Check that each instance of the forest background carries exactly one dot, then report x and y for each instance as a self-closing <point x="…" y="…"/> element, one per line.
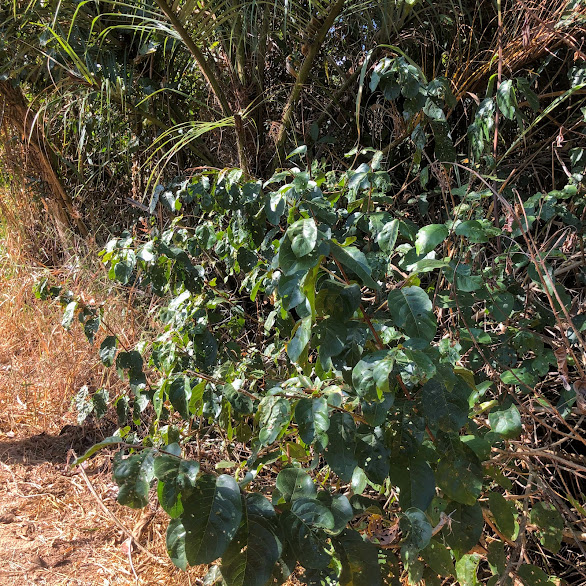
<point x="329" y="261"/>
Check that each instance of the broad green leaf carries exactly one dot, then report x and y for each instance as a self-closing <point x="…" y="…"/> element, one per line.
<point x="300" y="339"/>
<point x="176" y="480"/>
<point x="430" y="578"/>
<point x="505" y="515"/>
<point x="303" y="236"/>
<point x="275" y="206"/>
<point x="290" y="263"/>
<point x="303" y="525"/>
<point x="534" y="576"/>
<point x="358" y="482"/>
<point x="359" y="560"/>
<point x="100" y="401"/>
<point x="210" y="519"/>
<point x="523" y="377"/>
<point x="438" y="556"/>
<point x="497" y="558"/>
<point x="473" y="230"/>
<point x="294" y="483"/>
<point x="179" y="391"/>
<point x="375" y="413"/>
<point x="370" y="377"/>
<point x="469" y="523"/>
<point x="506" y="99"/>
<point x="459" y="475"/>
<point x="108" y="350"/>
<point x="429" y="237"/>
<point x="241" y="403"/>
<point x="415" y="480"/>
<point x="506" y="422"/>
<point x="445" y="409"/>
<point x="342" y="511"/>
<point x="416" y="528"/>
<point x="312" y="418"/>
<point x="330" y="336"/>
<point x="355" y="260"/>
<point x="131" y="361"/>
<point x="340" y="452"/>
<point x="133" y="475"/>
<point x="337" y="300"/>
<point x="290" y="290"/>
<point x="387" y="237"/>
<point x="275" y="413"/>
<point x="502" y="306"/>
<point x="251" y="556"/>
<point x="373" y="455"/>
<point x="466" y="569"/>
<point x="550" y="525"/>
<point x="411" y="311"/>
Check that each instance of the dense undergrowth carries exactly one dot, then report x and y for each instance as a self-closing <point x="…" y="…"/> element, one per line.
<point x="369" y="364"/>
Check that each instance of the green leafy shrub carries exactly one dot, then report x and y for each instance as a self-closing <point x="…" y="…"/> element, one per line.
<point x="301" y="331"/>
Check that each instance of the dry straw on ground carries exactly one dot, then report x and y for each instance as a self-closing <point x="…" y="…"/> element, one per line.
<point x="53" y="529"/>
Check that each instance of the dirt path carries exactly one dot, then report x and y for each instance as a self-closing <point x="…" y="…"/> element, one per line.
<point x="53" y="531"/>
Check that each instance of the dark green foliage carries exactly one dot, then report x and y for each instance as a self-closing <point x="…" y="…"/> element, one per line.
<point x="359" y="342"/>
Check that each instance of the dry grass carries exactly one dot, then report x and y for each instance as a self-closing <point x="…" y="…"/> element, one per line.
<point x="53" y="530"/>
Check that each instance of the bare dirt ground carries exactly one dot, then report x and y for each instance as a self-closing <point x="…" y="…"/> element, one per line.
<point x="55" y="530"/>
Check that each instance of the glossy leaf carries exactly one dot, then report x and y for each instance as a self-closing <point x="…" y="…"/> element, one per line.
<point x="179" y="391"/>
<point x="370" y="377"/>
<point x="275" y="413"/>
<point x="506" y="421"/>
<point x="303" y="525"/>
<point x="354" y="259"/>
<point x="177" y="479"/>
<point x="108" y="350"/>
<point x="133" y="475"/>
<point x="303" y="236"/>
<point x="210" y="519"/>
<point x="411" y="310"/>
<point x="416" y="528"/>
<point x="294" y="483"/>
<point x="311" y="415"/>
<point x="340" y="452"/>
<point x="429" y="237"/>
<point x="251" y="556"/>
<point x="467" y="568"/>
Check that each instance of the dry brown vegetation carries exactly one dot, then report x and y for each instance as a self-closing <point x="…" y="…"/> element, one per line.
<point x="54" y="529"/>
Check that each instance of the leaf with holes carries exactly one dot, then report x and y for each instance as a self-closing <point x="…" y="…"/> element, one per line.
<point x="133" y="475"/>
<point x="177" y="479"/>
